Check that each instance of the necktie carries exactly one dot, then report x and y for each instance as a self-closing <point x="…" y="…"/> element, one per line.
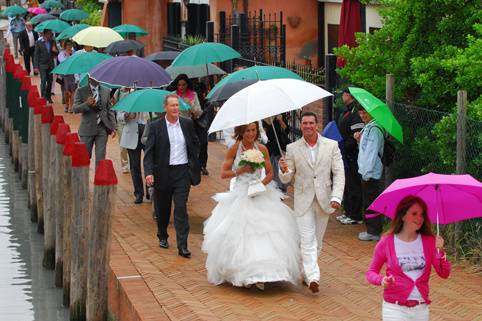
<point x="95" y="93"/>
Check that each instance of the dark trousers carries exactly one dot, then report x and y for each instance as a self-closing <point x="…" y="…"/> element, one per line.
<point x="28" y="58"/>
<point x="370" y="191"/>
<point x="46" y="79"/>
<point x="202" y="134"/>
<point x="177" y="191"/>
<point x="135" y="165"/>
<point x="352" y="198"/>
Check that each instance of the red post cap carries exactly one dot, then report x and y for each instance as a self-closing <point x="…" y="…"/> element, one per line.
<point x="80" y="155"/>
<point x="32" y="98"/>
<point x="47" y="114"/>
<point x="9" y="64"/>
<point x="26" y="83"/>
<point x="61" y="133"/>
<point x="55" y="124"/>
<point x="6" y="51"/>
<point x="70" y="140"/>
<point x="105" y="173"/>
<point x="19" y="73"/>
<point x="38" y="108"/>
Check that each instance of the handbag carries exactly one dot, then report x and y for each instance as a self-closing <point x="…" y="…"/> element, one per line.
<point x="255" y="188"/>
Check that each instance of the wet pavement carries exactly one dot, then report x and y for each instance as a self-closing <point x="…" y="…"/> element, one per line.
<point x="27" y="290"/>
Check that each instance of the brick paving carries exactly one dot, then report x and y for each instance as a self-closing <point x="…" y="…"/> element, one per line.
<point x="149" y="283"/>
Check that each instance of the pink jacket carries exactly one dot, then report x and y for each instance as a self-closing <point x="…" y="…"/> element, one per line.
<point x="402" y="287"/>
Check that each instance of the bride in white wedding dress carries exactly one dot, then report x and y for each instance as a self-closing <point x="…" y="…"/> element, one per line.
<point x="250" y="240"/>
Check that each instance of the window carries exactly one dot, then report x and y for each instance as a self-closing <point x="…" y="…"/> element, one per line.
<point x="332" y="37"/>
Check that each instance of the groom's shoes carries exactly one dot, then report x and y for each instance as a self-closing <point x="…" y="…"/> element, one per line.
<point x="314" y="287"/>
<point x="184" y="252"/>
<point x="164" y="244"/>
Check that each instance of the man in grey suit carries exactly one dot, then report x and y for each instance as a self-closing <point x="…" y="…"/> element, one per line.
<point x="98" y="120"/>
<point x="43" y="62"/>
<point x="316" y="165"/>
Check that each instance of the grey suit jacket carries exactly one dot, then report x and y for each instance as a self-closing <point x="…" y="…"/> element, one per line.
<point x="323" y="180"/>
<point x="88" y="123"/>
<point x="42" y="59"/>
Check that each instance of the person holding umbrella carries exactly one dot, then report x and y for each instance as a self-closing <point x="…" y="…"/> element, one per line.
<point x="43" y="62"/>
<point x="17" y="25"/>
<point x="409" y="249"/>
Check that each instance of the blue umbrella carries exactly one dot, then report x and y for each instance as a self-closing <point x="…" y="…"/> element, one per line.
<point x="331" y="131"/>
<point x="130" y="71"/>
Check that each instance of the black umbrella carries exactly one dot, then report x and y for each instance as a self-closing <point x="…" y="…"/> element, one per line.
<point x="163" y="55"/>
<point x="224" y="92"/>
<point x="123" y="46"/>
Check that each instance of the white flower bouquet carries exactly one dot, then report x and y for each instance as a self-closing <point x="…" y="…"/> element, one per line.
<point x="254" y="159"/>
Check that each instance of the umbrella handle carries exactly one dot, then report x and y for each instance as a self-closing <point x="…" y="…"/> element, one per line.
<point x="276" y="135"/>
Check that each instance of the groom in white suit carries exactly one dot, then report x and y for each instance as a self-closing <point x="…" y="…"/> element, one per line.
<point x="315" y="163"/>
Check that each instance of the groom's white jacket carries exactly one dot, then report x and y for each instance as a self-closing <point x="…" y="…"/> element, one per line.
<point x="315" y="179"/>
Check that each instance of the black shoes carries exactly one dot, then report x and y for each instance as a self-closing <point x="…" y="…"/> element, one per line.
<point x="164" y="244"/>
<point x="138" y="200"/>
<point x="184" y="253"/>
<point x="204" y="171"/>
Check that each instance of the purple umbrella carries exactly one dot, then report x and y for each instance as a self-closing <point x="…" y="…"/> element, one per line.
<point x="130" y="71"/>
<point x="449" y="198"/>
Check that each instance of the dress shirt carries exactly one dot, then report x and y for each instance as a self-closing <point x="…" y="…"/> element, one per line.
<point x="178" y="153"/>
<point x="31" y="38"/>
<point x="95" y="94"/>
<point x="371" y="147"/>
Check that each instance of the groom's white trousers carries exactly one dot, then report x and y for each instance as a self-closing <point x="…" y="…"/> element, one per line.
<point x="312" y="226"/>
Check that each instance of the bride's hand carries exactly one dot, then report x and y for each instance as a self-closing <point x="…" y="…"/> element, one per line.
<point x="245" y="169"/>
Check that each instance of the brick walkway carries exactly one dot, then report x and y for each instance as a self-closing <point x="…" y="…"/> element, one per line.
<point x="149" y="283"/>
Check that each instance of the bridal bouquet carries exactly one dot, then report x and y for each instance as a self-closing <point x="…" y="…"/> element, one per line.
<point x="254" y="159"/>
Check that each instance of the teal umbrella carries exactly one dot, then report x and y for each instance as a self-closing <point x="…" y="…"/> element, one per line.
<point x="147" y="100"/>
<point x="73" y="14"/>
<point x="79" y="63"/>
<point x="379" y="111"/>
<point x="72" y="31"/>
<point x="255" y="73"/>
<point x="56" y="26"/>
<point x="41" y="18"/>
<point x="14" y="10"/>
<point x="125" y="29"/>
<point x="52" y="4"/>
<point x="205" y="53"/>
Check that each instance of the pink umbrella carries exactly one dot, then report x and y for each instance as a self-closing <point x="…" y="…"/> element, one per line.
<point x="449" y="198"/>
<point x="37" y="10"/>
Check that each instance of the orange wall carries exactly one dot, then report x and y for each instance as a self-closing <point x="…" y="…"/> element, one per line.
<point x="300" y="41"/>
<point x="151" y="15"/>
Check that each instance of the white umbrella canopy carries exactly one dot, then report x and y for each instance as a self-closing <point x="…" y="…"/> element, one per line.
<point x="195" y="71"/>
<point x="264" y="99"/>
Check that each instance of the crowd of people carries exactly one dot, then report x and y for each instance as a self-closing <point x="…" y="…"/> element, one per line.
<point x="253" y="240"/>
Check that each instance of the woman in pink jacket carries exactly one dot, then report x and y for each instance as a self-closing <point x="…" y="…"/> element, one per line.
<point x="409" y="249"/>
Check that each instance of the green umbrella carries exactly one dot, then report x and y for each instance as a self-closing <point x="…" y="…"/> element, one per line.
<point x="73" y="14"/>
<point x="52" y="4"/>
<point x="56" y="26"/>
<point x="255" y="72"/>
<point x="205" y="53"/>
<point x="42" y="17"/>
<point x="379" y="111"/>
<point x="72" y="31"/>
<point x="147" y="100"/>
<point x="14" y="10"/>
<point x="79" y="63"/>
<point x="125" y="29"/>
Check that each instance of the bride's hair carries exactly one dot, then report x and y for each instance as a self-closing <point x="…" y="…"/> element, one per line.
<point x="239" y="131"/>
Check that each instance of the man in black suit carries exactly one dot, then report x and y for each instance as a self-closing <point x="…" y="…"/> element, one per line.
<point x="171" y="165"/>
<point x="43" y="61"/>
<point x="28" y="37"/>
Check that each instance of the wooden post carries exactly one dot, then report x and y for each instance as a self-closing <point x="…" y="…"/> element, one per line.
<point x="59" y="201"/>
<point x="70" y="139"/>
<point x="37" y="128"/>
<point x="32" y="100"/>
<point x="461" y="162"/>
<point x="105" y="182"/>
<point x="390" y="100"/>
<point x="47" y="119"/>
<point x="79" y="231"/>
<point x="49" y="214"/>
<point x="3" y="90"/>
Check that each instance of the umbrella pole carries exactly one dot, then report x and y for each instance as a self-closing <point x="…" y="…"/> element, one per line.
<point x="276" y="135"/>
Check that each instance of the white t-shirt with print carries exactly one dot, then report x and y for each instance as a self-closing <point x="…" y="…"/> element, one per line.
<point x="412" y="261"/>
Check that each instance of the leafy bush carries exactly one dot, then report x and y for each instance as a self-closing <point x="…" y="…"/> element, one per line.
<point x="93" y="8"/>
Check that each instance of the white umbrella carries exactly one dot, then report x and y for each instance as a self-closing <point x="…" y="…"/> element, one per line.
<point x="264" y="99"/>
<point x="195" y="71"/>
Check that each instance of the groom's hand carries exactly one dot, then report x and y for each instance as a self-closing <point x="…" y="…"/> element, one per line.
<point x="283" y="165"/>
<point x="150" y="180"/>
<point x="335" y="205"/>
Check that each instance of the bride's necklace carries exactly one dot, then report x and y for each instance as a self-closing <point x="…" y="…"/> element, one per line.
<point x="244" y="147"/>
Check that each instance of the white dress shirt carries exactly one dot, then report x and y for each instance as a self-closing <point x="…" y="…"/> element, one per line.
<point x="178" y="155"/>
<point x="31" y="38"/>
